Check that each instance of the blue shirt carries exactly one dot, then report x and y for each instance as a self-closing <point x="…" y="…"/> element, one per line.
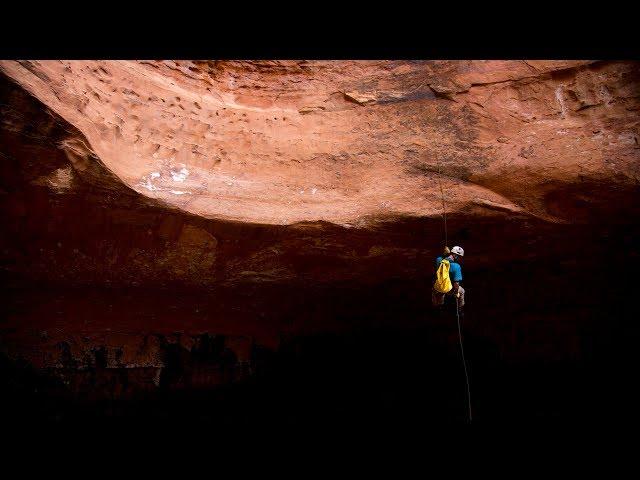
<point x="455" y="271"/>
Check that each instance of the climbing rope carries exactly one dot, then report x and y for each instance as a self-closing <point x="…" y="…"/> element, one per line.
<point x="444" y="209"/>
<point x="464" y="362"/>
<point x="446" y="242"/>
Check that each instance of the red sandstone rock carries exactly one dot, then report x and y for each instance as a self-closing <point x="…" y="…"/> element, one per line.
<point x="348" y="142"/>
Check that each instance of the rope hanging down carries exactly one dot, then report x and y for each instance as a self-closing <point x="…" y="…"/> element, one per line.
<point x="464" y="363"/>
<point x="444" y="209"/>
<point x="446" y="243"/>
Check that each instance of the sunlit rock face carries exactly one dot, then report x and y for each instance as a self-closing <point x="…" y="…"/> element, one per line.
<point x="348" y="142"/>
<point x="174" y="225"/>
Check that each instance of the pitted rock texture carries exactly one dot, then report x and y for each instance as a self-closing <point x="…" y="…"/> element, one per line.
<point x="352" y="142"/>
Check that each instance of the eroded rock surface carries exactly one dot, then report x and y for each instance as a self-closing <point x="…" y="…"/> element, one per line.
<point x="285" y="142"/>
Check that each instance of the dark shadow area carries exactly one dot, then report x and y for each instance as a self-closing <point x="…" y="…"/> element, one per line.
<point x="561" y="353"/>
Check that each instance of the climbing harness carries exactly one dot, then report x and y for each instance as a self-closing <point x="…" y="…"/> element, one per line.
<point x="464" y="362"/>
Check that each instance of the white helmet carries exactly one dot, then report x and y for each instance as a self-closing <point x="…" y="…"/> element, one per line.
<point x="458" y="250"/>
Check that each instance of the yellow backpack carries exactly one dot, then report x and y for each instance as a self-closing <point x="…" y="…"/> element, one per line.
<point x="443" y="282"/>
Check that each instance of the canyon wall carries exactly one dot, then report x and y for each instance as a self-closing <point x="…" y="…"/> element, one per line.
<point x="171" y="224"/>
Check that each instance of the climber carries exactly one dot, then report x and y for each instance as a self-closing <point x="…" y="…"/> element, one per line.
<point x="454" y="257"/>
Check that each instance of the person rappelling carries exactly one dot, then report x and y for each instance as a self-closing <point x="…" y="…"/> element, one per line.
<point x="447" y="283"/>
<point x="448" y="278"/>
